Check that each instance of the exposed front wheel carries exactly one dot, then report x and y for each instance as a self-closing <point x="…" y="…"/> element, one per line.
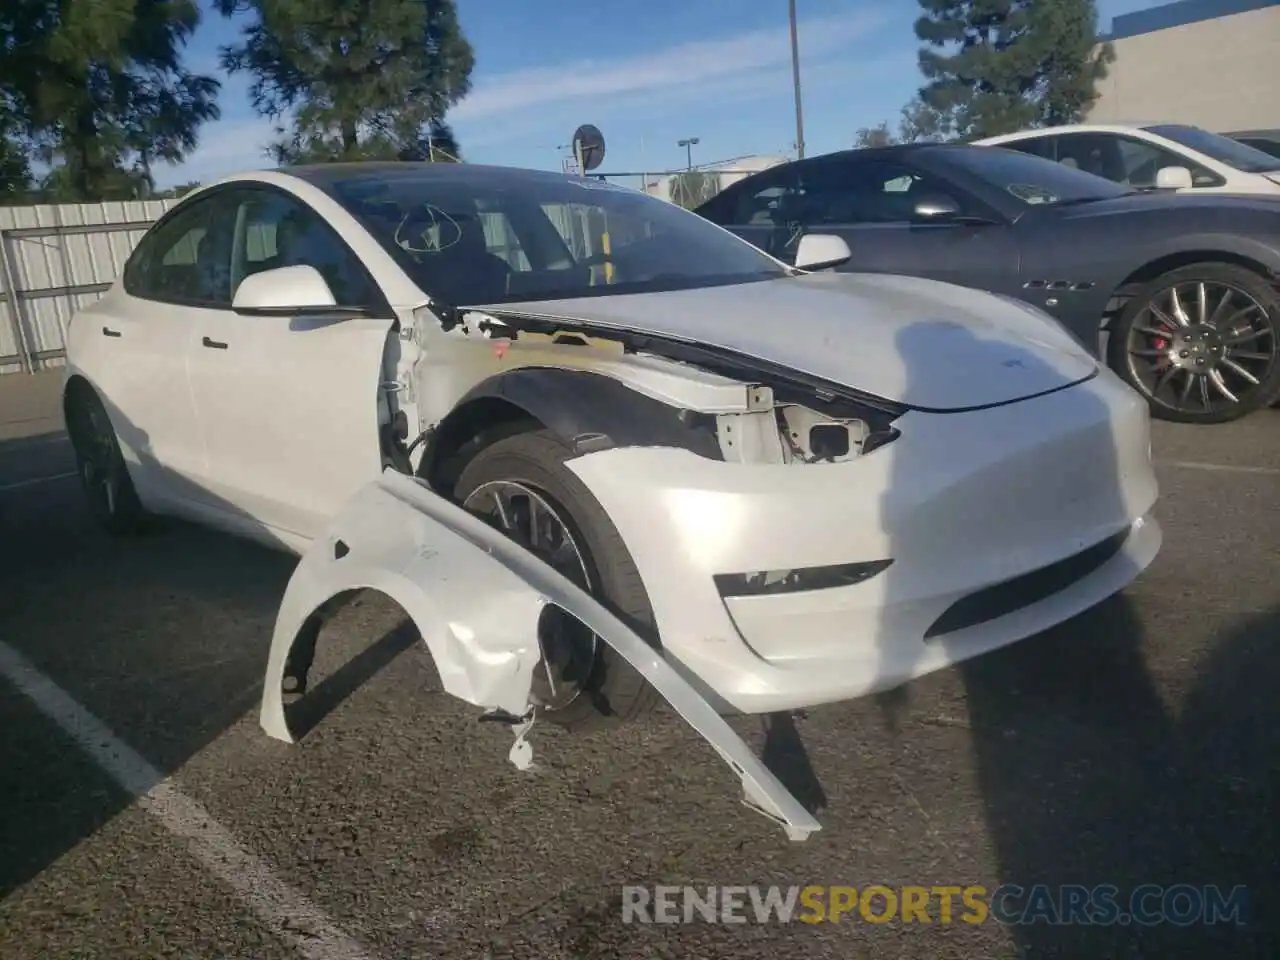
<point x="522" y="487"/>
<point x="1201" y="343"/>
<point x="104" y="476"/>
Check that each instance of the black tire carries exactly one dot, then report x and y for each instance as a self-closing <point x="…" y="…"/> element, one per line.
<point x="1163" y="395"/>
<point x="613" y="689"/>
<point x="104" y="475"/>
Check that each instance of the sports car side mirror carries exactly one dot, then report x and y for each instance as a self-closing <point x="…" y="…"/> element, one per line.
<point x="285" y="291"/>
<point x="1174" y="178"/>
<point x="817" y="251"/>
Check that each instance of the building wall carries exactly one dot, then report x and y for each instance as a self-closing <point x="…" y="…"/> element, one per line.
<point x="1220" y="71"/>
<point x="54" y="261"/>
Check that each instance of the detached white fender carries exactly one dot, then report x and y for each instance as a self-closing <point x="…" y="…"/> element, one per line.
<point x="476" y="598"/>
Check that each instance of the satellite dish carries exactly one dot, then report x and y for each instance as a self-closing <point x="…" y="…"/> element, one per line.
<point x="588" y="147"/>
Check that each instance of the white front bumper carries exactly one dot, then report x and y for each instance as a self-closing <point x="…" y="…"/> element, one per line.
<point x="959" y="502"/>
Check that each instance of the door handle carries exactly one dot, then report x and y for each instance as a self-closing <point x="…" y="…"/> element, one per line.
<point x="108" y="332"/>
<point x="213" y="344"/>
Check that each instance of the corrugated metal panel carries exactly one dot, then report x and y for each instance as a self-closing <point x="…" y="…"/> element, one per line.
<point x="48" y="255"/>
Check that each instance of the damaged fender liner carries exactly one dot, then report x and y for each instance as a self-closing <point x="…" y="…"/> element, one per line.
<point x="476" y="598"/>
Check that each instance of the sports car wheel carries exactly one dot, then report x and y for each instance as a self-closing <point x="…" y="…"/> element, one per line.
<point x="113" y="501"/>
<point x="1200" y="343"/>
<point x="521" y="486"/>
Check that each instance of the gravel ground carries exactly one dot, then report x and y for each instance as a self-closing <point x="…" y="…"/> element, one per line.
<point x="1136" y="744"/>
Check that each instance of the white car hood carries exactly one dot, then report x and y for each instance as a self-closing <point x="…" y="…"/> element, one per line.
<point x="921" y="343"/>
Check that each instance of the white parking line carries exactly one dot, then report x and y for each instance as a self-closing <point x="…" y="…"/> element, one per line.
<point x="1218" y="467"/>
<point x="36" y="481"/>
<point x="285" y="911"/>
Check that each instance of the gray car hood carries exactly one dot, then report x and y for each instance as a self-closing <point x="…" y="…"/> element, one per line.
<point x="921" y="343"/>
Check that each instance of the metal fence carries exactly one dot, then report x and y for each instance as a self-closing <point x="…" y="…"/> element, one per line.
<point x="56" y="259"/>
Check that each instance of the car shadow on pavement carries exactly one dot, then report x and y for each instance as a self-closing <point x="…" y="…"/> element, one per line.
<point x="113" y="624"/>
<point x="163" y="637"/>
<point x="1089" y="779"/>
<point x="1085" y="775"/>
<point x="304" y="713"/>
<point x="785" y="756"/>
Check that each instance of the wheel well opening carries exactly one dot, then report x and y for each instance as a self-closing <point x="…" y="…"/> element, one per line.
<point x="77" y="389"/>
<point x="1148" y="272"/>
<point x="465" y="432"/>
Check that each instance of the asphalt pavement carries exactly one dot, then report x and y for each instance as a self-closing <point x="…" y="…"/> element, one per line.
<point x="1135" y="745"/>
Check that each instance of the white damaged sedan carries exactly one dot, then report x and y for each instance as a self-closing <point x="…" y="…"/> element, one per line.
<point x="796" y="487"/>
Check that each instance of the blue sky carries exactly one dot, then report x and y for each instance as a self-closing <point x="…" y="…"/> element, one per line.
<point x="648" y="74"/>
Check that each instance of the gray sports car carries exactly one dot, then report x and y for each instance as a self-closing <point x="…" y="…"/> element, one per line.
<point x="1185" y="288"/>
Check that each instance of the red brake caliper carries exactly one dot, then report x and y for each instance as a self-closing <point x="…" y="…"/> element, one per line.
<point x="1162" y="343"/>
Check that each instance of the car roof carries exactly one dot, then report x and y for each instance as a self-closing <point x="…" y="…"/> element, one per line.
<point x="1124" y="126"/>
<point x="893" y="150"/>
<point x="327" y="175"/>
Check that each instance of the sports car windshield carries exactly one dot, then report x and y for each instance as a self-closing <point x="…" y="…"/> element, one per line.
<point x="1223" y="149"/>
<point x="473" y="237"/>
<point x="1032" y="180"/>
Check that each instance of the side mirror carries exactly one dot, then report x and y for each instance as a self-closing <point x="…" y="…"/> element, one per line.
<point x="936" y="207"/>
<point x="817" y="251"/>
<point x="285" y="291"/>
<point x="1173" y="178"/>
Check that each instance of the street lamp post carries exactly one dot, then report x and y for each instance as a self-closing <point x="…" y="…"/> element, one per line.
<point x="795" y="80"/>
<point x="688" y="150"/>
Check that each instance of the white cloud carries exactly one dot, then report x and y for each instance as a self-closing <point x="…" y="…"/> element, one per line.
<point x="764" y="89"/>
<point x="702" y="73"/>
<point x="226" y="146"/>
<point x="684" y="65"/>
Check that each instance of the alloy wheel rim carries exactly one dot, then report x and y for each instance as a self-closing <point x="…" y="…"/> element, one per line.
<point x="98" y="464"/>
<point x="1201" y="346"/>
<point x="531" y="519"/>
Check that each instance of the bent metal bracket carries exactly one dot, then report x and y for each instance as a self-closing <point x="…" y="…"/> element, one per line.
<point x="476" y="598"/>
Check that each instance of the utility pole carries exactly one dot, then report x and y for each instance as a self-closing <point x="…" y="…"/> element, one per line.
<point x="795" y="80"/>
<point x="688" y="150"/>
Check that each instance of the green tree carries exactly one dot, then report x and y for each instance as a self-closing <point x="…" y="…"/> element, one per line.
<point x="921" y="123"/>
<point x="918" y="123"/>
<point x="174" y="192"/>
<point x="1073" y="61"/>
<point x="996" y="66"/>
<point x="878" y="136"/>
<point x="17" y="20"/>
<point x="96" y="91"/>
<point x="363" y="79"/>
<point x="15" y="165"/>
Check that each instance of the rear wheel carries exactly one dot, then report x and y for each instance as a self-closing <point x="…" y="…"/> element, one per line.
<point x="521" y="486"/>
<point x="104" y="476"/>
<point x="1201" y="343"/>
